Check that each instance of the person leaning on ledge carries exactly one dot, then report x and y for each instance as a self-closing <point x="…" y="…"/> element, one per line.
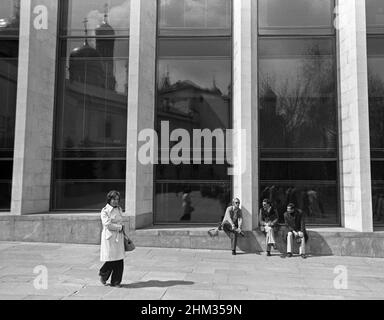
<point x="295" y="224"/>
<point x="232" y="222"/>
<point x="112" y="251"/>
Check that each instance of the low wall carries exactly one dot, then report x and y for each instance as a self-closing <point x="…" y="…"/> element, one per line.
<point x="86" y="229"/>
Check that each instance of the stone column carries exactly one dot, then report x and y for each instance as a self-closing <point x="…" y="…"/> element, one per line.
<point x="141" y="110"/>
<point x="245" y="109"/>
<point x="355" y="169"/>
<point x="34" y="111"/>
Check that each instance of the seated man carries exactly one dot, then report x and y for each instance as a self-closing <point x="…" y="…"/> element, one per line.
<point x="268" y="222"/>
<point x="232" y="223"/>
<point x="294" y="221"/>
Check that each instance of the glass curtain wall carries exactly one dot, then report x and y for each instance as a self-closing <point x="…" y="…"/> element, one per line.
<point x="194" y="79"/>
<point x="298" y="131"/>
<point x="91" y="107"/>
<point x="375" y="47"/>
<point x="9" y="53"/>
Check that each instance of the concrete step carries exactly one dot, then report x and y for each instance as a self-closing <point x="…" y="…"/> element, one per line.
<point x="86" y="229"/>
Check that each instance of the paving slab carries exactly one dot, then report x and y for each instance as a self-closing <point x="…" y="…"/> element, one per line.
<point x="183" y="274"/>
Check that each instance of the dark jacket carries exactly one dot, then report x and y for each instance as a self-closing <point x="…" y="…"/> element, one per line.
<point x="296" y="222"/>
<point x="270" y="216"/>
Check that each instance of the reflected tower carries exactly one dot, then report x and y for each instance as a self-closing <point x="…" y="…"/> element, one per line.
<point x="105" y="46"/>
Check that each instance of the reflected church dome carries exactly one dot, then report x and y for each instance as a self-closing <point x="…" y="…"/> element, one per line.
<point x="85" y="65"/>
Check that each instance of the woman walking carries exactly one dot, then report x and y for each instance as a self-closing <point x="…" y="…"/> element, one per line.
<point x="112" y="241"/>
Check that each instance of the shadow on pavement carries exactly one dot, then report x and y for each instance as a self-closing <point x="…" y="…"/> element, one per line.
<point x="157" y="284"/>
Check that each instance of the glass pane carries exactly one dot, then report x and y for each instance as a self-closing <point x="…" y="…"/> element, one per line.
<point x="195" y="17"/>
<point x="9" y="17"/>
<point x="211" y="47"/>
<point x="85" y="195"/>
<point x="5" y="195"/>
<point x="375" y="16"/>
<point x="376" y="94"/>
<point x="90" y="169"/>
<point x="378" y="202"/>
<point x="298" y="109"/>
<point x="8" y="92"/>
<point x="102" y="17"/>
<point x="298" y="170"/>
<point x="200" y="202"/>
<point x="192" y="172"/>
<point x="317" y="201"/>
<point x="296" y="16"/>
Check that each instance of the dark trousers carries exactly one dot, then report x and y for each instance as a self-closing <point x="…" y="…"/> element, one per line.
<point x="116" y="268"/>
<point x="231" y="234"/>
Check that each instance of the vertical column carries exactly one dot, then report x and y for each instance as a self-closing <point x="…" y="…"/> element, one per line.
<point x="245" y="112"/>
<point x="354" y="117"/>
<point x="141" y="110"/>
<point x="35" y="103"/>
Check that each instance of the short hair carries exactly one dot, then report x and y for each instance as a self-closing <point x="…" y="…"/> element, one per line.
<point x="291" y="205"/>
<point x="112" y="195"/>
<point x="267" y="201"/>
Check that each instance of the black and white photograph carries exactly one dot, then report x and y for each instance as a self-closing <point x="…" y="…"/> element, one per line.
<point x="191" y="155"/>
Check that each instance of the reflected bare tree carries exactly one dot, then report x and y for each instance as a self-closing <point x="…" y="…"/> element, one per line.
<point x="306" y="106"/>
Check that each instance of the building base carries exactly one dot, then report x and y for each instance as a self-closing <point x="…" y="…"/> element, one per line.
<point x="86" y="229"/>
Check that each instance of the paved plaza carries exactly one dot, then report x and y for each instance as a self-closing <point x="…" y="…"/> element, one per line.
<point x="180" y="274"/>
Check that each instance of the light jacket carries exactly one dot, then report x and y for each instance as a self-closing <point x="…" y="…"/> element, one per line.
<point x="112" y="241"/>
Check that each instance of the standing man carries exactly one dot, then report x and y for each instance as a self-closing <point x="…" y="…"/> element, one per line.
<point x="232" y="223"/>
<point x="294" y="221"/>
<point x="268" y="222"/>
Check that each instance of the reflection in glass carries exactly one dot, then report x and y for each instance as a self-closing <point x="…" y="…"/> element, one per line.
<point x="94" y="11"/>
<point x="296" y="16"/>
<point x="192" y="202"/>
<point x="297" y="97"/>
<point x="85" y="195"/>
<point x="193" y="92"/>
<point x="91" y="119"/>
<point x="194" y="17"/>
<point x="298" y="126"/>
<point x="375" y="16"/>
<point x="317" y="200"/>
<point x="9" y="17"/>
<point x="9" y="48"/>
<point x="376" y="123"/>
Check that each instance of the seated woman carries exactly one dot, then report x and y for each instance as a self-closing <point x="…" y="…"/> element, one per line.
<point x="268" y="222"/>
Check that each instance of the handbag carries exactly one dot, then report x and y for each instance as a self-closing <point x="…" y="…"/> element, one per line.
<point x="128" y="243"/>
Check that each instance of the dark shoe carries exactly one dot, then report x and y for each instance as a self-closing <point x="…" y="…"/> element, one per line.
<point x="304" y="256"/>
<point x="268" y="253"/>
<point x="116" y="285"/>
<point x="289" y="255"/>
<point x="233" y="252"/>
<point x="242" y="234"/>
<point x="103" y="281"/>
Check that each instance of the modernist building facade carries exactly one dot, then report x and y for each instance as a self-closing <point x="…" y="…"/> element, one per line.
<point x="304" y="79"/>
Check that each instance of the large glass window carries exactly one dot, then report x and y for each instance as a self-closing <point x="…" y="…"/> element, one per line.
<point x="375" y="49"/>
<point x="9" y="49"/>
<point x="193" y="92"/>
<point x="298" y="109"/>
<point x="91" y="110"/>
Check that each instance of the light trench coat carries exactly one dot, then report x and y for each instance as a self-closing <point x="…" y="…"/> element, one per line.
<point x="112" y="241"/>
